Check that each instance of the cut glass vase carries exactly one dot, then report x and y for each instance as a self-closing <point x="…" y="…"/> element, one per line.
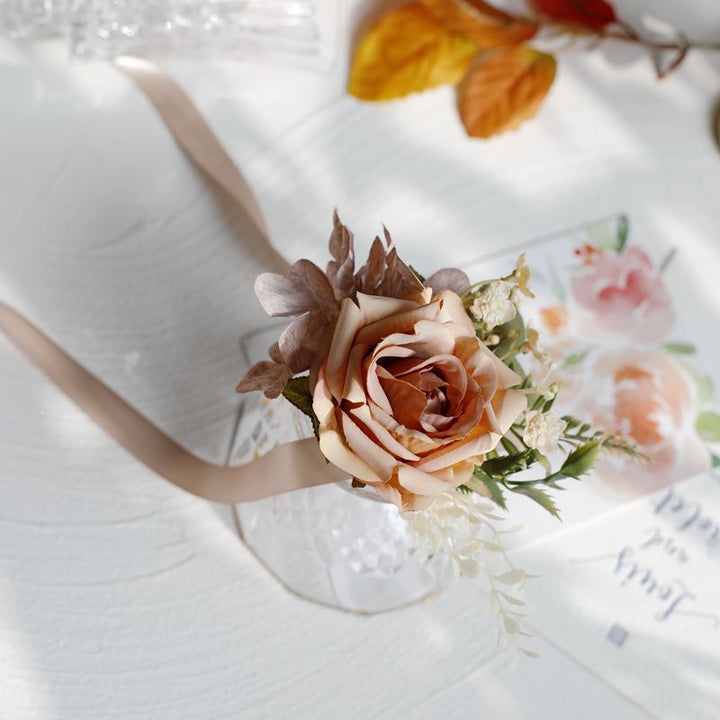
<point x="333" y="544"/>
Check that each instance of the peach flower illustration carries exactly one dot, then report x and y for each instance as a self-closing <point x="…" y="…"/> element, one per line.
<point x="624" y="294"/>
<point x="409" y="399"/>
<point x="644" y="395"/>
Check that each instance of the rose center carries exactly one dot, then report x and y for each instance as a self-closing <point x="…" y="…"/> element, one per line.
<point x="426" y="394"/>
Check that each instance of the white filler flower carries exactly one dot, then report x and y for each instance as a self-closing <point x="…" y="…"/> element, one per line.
<point x="543" y="430"/>
<point x="494" y="305"/>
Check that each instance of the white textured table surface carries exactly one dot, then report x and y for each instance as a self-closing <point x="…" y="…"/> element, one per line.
<point x="121" y="596"/>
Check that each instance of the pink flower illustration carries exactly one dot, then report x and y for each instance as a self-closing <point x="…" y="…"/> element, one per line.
<point x="645" y="396"/>
<point x="624" y="294"/>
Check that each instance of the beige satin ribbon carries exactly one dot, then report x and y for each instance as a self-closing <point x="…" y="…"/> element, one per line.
<point x="288" y="467"/>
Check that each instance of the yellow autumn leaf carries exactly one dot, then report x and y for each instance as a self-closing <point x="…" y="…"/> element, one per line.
<point x="503" y="89"/>
<point x="406" y="51"/>
<point x="480" y="22"/>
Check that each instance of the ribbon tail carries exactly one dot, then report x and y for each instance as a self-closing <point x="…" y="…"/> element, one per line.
<point x="292" y="466"/>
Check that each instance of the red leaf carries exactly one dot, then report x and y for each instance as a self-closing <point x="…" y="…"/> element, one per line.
<point x="595" y="14"/>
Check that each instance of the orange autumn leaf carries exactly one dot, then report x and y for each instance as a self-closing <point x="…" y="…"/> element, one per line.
<point x="490" y="10"/>
<point x="484" y="24"/>
<point x="406" y="51"/>
<point x="503" y="89"/>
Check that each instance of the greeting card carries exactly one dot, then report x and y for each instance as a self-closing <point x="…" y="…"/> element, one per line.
<point x="634" y="596"/>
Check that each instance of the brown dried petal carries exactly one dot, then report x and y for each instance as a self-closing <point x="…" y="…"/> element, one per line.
<point x="275" y="354"/>
<point x="399" y="281"/>
<point x="303" y="288"/>
<point x="304" y="338"/>
<point x="448" y="279"/>
<point x="270" y="377"/>
<point x="370" y="275"/>
<point x="341" y="270"/>
<point x="386" y="274"/>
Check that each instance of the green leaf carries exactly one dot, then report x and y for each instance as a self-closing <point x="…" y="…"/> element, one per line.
<point x="492" y="485"/>
<point x="507" y="464"/>
<point x="708" y="426"/>
<point x="581" y="460"/>
<point x="715" y="461"/>
<point x="571" y="422"/>
<point x="420" y="277"/>
<point x="297" y="392"/>
<point x="576" y="358"/>
<point x="512" y="336"/>
<point x="539" y="496"/>
<point x="704" y="383"/>
<point x="623" y="230"/>
<point x="542" y="460"/>
<point x="676" y="348"/>
<point x="706" y="388"/>
<point x="547" y="407"/>
<point x="605" y="234"/>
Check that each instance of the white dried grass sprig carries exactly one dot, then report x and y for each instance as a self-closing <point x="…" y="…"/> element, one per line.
<point x="469" y="530"/>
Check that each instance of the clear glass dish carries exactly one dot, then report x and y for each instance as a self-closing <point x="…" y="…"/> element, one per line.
<point x="299" y="31"/>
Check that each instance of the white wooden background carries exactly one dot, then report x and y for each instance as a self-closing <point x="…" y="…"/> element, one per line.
<point x="121" y="596"/>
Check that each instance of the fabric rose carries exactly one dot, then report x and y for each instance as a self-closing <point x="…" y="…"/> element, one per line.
<point x="408" y="399"/>
<point x="624" y="294"/>
<point x="645" y="396"/>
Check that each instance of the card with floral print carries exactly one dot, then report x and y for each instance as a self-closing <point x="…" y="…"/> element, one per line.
<point x="618" y="334"/>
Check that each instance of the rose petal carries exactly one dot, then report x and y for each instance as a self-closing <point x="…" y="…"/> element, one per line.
<point x="382" y="435"/>
<point x="334" y="448"/>
<point x="473" y="446"/>
<point x="354" y="388"/>
<point x="407" y="402"/>
<point x="376" y="308"/>
<point x="389" y="494"/>
<point x="323" y="406"/>
<point x="370" y="371"/>
<point x="367" y="450"/>
<point x="453" y="311"/>
<point x="401" y="322"/>
<point x="419" y="482"/>
<point x="415" y="441"/>
<point x="478" y="357"/>
<point x="507" y="406"/>
<point x="349" y="321"/>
